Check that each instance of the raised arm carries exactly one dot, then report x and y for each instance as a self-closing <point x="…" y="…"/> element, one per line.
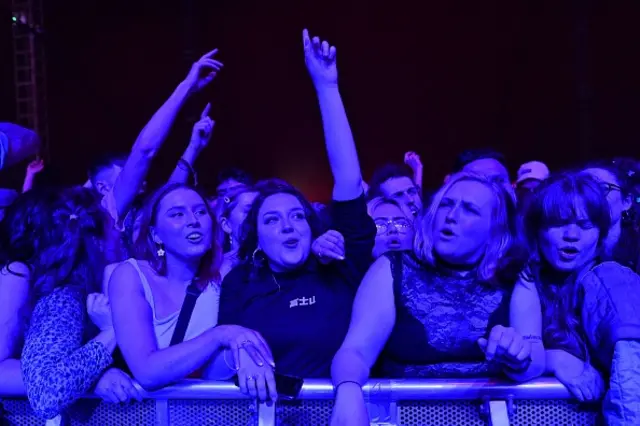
<point x="14" y="297"/>
<point x="33" y="169"/>
<point x="200" y="138"/>
<point x="341" y="149"/>
<point x="372" y="321"/>
<point x="153" y="135"/>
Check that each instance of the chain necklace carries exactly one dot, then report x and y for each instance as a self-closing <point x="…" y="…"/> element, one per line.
<point x="276" y="281"/>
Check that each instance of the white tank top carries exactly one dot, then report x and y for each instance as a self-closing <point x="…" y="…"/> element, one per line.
<point x="204" y="317"/>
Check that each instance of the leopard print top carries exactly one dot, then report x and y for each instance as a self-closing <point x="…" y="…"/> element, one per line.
<point x="56" y="366"/>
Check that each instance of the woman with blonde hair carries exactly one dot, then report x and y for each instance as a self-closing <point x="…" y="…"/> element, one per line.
<point x="439" y="310"/>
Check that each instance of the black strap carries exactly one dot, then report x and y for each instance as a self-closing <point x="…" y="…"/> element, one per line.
<point x="193" y="292"/>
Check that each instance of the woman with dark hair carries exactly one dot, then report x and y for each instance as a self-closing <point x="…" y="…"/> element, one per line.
<point x="178" y="255"/>
<point x="300" y="305"/>
<point x="61" y="360"/>
<point x="232" y="209"/>
<point x="589" y="308"/>
<point x="21" y="232"/>
<point x="623" y="242"/>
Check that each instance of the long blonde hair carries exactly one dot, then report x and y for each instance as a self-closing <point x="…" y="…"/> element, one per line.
<point x="503" y="226"/>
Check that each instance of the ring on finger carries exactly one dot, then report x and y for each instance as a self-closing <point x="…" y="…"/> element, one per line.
<point x="246" y="342"/>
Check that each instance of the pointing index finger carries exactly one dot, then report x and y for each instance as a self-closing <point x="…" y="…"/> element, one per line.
<point x="205" y="113"/>
<point x="305" y="39"/>
<point x="209" y="54"/>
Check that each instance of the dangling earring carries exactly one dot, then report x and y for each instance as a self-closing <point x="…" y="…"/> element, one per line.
<point x="253" y="256"/>
<point x="160" y="252"/>
<point x="230" y="241"/>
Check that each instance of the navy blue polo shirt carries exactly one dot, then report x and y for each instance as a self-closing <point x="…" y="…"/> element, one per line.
<point x="305" y="320"/>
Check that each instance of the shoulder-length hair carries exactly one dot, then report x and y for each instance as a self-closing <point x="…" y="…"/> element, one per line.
<point x="503" y="236"/>
<point x="70" y="253"/>
<point x="24" y="226"/>
<point x="557" y="201"/>
<point x="266" y="189"/>
<point x="147" y="249"/>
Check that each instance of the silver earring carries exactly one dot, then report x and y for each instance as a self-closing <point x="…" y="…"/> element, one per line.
<point x="160" y="252"/>
<point x="255" y="253"/>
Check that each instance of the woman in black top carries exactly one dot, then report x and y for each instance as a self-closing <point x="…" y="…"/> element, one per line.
<point x="300" y="306"/>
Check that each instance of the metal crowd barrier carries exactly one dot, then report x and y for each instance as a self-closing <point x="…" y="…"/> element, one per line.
<point x="390" y="402"/>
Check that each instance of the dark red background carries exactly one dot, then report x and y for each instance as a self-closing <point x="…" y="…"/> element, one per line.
<point x="435" y="77"/>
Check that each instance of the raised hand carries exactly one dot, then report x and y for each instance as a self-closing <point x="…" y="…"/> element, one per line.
<point x="35" y="167"/>
<point x="203" y="129"/>
<point x="99" y="310"/>
<point x="203" y="72"/>
<point x="412" y="160"/>
<point x="329" y="247"/>
<point x="320" y="58"/>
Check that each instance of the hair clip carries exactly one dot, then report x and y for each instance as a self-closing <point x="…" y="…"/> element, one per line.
<point x="73" y="217"/>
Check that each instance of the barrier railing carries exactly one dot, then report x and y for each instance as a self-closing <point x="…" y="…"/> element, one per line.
<point x="390" y="402"/>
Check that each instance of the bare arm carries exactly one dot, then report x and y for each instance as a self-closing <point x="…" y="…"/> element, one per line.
<point x="372" y="320"/>
<point x="130" y="181"/>
<point x="200" y="138"/>
<point x="341" y="149"/>
<point x="153" y="135"/>
<point x="133" y="322"/>
<point x="525" y="316"/>
<point x="14" y="295"/>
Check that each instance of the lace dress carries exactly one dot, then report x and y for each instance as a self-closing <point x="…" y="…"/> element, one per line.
<point x="440" y="315"/>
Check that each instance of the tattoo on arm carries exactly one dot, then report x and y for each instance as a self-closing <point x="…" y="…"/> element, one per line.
<point x="532" y="337"/>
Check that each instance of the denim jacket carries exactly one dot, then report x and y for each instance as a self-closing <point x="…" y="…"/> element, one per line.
<point x="611" y="322"/>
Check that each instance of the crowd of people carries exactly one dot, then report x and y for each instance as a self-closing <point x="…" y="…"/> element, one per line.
<point x="110" y="284"/>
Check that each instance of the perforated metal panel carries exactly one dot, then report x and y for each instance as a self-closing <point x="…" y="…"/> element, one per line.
<point x="190" y="412"/>
<point x="554" y="412"/>
<point x="440" y="413"/>
<point x="94" y="413"/>
<point x="18" y="413"/>
<point x="86" y="413"/>
<point x="303" y="413"/>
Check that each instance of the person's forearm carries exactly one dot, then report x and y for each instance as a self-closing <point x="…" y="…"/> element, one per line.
<point x="341" y="148"/>
<point x="108" y="339"/>
<point x="157" y="129"/>
<point x="11" y="383"/>
<point x="182" y="172"/>
<point x="168" y="365"/>
<point x="349" y="366"/>
<point x="417" y="176"/>
<point x="28" y="182"/>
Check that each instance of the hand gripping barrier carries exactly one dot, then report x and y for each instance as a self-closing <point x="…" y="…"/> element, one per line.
<point x="409" y="402"/>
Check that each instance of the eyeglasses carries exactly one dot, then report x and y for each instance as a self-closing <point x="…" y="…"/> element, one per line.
<point x="401" y="225"/>
<point x="609" y="187"/>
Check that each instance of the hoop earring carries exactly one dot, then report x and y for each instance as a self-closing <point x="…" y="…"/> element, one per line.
<point x="254" y="259"/>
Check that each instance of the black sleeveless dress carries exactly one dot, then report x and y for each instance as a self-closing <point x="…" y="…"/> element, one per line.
<point x="440" y="315"/>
